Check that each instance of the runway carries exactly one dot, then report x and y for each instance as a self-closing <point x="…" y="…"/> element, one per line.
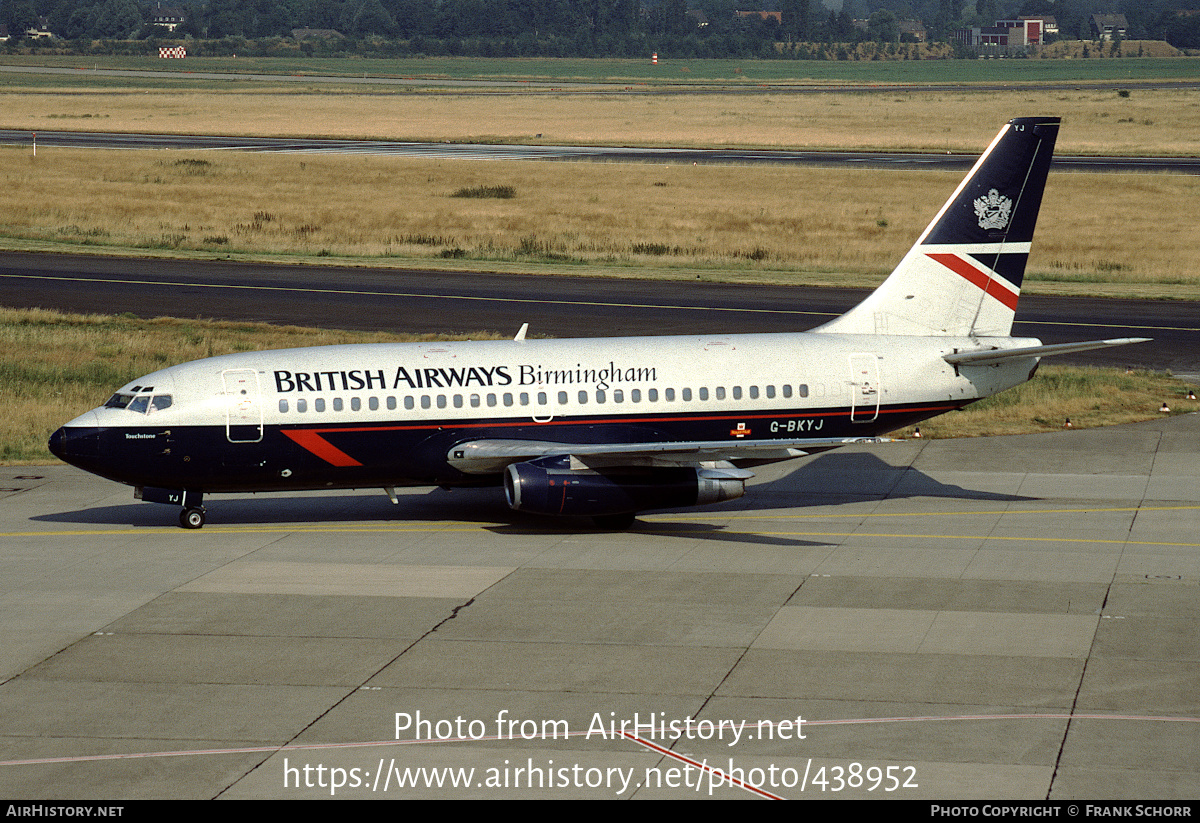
<point x="610" y="154"/>
<point x="992" y="619"/>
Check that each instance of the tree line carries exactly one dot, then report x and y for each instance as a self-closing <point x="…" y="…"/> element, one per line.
<point x="573" y="28"/>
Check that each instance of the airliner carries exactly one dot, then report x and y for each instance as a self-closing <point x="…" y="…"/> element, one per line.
<point x="602" y="428"/>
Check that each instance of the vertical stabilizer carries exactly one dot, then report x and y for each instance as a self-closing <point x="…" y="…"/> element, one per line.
<point x="964" y="274"/>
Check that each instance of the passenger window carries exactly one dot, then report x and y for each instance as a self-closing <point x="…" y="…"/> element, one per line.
<point x="562" y="398"/>
<point x="283" y="405"/>
<point x="686" y="394"/>
<point x="525" y="398"/>
<point x="770" y="391"/>
<point x="651" y="395"/>
<point x="582" y="397"/>
<point x="703" y="392"/>
<point x="474" y="401"/>
<point x="670" y="395"/>
<point x="319" y="404"/>
<point x="425" y="401"/>
<point x="409" y="403"/>
<point x="373" y="403"/>
<point x="508" y="398"/>
<point x="542" y="398"/>
<point x="441" y="401"/>
<point x="787" y="391"/>
<point x="337" y="404"/>
<point x="599" y="396"/>
<point x="491" y="400"/>
<point x="458" y="401"/>
<point x="636" y="395"/>
<point x="391" y="403"/>
<point x="803" y="390"/>
<point x="720" y="392"/>
<point x="302" y="405"/>
<point x="754" y="392"/>
<point x="355" y="404"/>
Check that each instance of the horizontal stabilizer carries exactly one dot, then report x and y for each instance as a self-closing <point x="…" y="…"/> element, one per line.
<point x="978" y="358"/>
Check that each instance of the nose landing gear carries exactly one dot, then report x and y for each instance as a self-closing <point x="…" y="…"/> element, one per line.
<point x="192" y="517"/>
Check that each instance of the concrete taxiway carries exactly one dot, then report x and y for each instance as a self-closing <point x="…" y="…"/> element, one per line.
<point x="993" y="618"/>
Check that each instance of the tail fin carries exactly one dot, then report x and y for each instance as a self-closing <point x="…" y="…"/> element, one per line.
<point x="963" y="275"/>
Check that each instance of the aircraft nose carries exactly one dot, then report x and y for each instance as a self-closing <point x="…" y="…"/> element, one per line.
<point x="79" y="439"/>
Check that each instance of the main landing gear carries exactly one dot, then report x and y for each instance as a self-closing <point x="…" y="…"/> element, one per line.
<point x="191" y="518"/>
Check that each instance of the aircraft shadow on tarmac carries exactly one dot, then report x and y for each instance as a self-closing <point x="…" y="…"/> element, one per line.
<point x="830" y="479"/>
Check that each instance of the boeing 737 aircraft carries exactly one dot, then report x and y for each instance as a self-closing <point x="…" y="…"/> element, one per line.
<point x="605" y="427"/>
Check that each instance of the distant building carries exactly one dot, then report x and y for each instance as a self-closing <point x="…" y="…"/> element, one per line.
<point x="41" y="31"/>
<point x="911" y="31"/>
<point x="1006" y="36"/>
<point x="1049" y="25"/>
<point x="698" y="17"/>
<point x="1025" y="31"/>
<point x="169" y="17"/>
<point x="1108" y="26"/>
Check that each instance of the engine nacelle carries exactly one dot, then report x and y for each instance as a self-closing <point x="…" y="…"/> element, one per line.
<point x="549" y="485"/>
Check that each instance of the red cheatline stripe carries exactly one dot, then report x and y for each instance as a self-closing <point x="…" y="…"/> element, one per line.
<point x="956" y="264"/>
<point x="322" y="448"/>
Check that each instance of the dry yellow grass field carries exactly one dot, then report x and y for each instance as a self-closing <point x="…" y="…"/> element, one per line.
<point x="778" y="223"/>
<point x="1096" y="121"/>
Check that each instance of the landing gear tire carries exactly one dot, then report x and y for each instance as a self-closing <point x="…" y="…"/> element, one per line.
<point x="614" y="522"/>
<point x="191" y="518"/>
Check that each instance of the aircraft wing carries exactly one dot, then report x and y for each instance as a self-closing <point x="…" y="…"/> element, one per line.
<point x="491" y="456"/>
<point x="986" y="356"/>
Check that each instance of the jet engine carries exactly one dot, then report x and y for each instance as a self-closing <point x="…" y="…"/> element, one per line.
<point x="551" y="485"/>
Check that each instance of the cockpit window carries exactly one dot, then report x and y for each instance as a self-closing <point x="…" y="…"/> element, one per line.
<point x="118" y="401"/>
<point x="140" y="403"/>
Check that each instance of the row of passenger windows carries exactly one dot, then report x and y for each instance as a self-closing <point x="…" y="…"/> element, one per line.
<point x="541" y="398"/>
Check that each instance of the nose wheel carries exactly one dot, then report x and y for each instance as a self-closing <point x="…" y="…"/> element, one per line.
<point x="192" y="518"/>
